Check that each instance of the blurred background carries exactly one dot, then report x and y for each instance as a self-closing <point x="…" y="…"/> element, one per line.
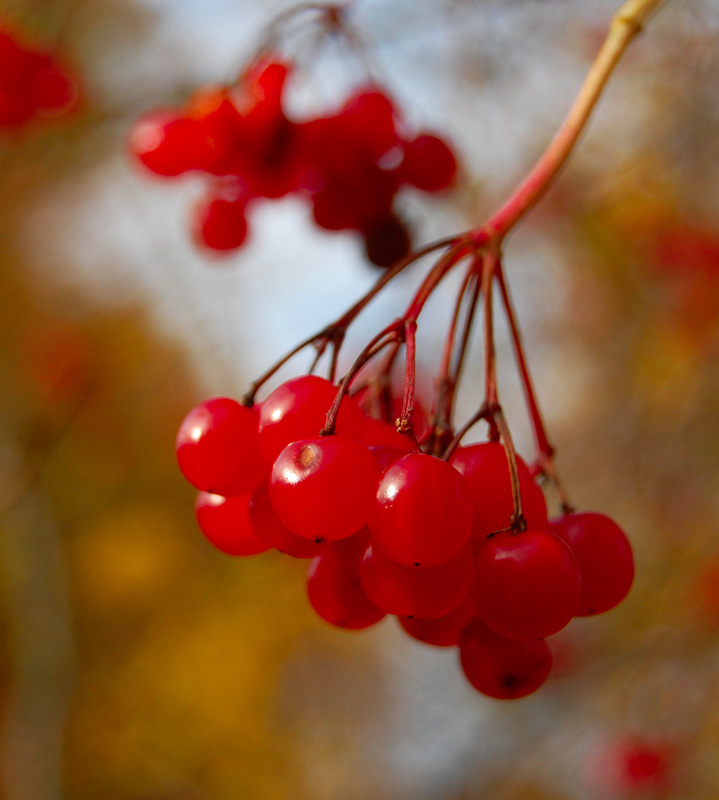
<point x="137" y="663"/>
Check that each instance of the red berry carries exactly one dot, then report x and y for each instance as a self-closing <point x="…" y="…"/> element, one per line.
<point x="424" y="511"/>
<point x="269" y="528"/>
<point x="54" y="91"/>
<point x="221" y="123"/>
<point x="369" y="120"/>
<point x="604" y="556"/>
<point x="323" y="488"/>
<point x="298" y="410"/>
<point x="32" y="83"/>
<point x="225" y="521"/>
<point x="221" y="224"/>
<point x="386" y="241"/>
<point x="634" y="766"/>
<point x="266" y="150"/>
<point x="505" y="669"/>
<point x="378" y="433"/>
<point x="428" y="163"/>
<point x="442" y="631"/>
<point x="334" y="587"/>
<point x="426" y="592"/>
<point x="355" y="197"/>
<point x="485" y="469"/>
<point x="527" y="584"/>
<point x="386" y="456"/>
<point x="217" y="447"/>
<point x="160" y="141"/>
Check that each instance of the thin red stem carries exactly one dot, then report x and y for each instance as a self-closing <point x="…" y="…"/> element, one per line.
<point x="518" y="523"/>
<point x="392" y="333"/>
<point x="490" y="355"/>
<point x="335" y="332"/>
<point x="448" y="373"/>
<point x="433" y="279"/>
<point x="397" y="331"/>
<point x="352" y="313"/>
<point x="316" y="339"/>
<point x="468" y="322"/>
<point x="483" y="413"/>
<point x="540" y="432"/>
<point x="404" y="423"/>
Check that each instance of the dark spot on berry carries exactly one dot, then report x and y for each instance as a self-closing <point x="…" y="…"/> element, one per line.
<point x="510" y="681"/>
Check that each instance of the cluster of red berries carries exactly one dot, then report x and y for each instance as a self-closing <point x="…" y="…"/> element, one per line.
<point x="393" y="530"/>
<point x="33" y="84"/>
<point x="350" y="164"/>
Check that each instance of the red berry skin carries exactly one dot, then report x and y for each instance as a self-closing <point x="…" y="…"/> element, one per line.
<point x="527" y="584"/>
<point x="32" y="83"/>
<point x="217" y="447"/>
<point x="323" y="489"/>
<point x="429" y="164"/>
<point x="428" y="592"/>
<point x="54" y="91"/>
<point x="369" y="118"/>
<point x="386" y="456"/>
<point x="442" y="631"/>
<point x="221" y="224"/>
<point x="334" y="587"/>
<point x="225" y="521"/>
<point x="354" y="198"/>
<point x="298" y="410"/>
<point x="269" y="528"/>
<point x="634" y="765"/>
<point x="423" y="514"/>
<point x="505" y="669"/>
<point x="165" y="142"/>
<point x="378" y="433"/>
<point x="485" y="470"/>
<point x="604" y="556"/>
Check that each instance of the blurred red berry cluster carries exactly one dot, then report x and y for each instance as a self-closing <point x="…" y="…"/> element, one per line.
<point x="34" y="83"/>
<point x="350" y="164"/>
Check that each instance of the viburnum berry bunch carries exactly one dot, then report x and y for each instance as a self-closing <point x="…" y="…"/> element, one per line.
<point x="453" y="539"/>
<point x="34" y="84"/>
<point x="349" y="164"/>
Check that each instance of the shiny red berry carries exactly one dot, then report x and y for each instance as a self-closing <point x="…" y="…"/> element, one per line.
<point x="426" y="592"/>
<point x="441" y="631"/>
<point x="505" y="669"/>
<point x="378" y="433"/>
<point x="226" y="523"/>
<point x="334" y="587"/>
<point x="324" y="488"/>
<point x="485" y="470"/>
<point x="269" y="528"/>
<point x="527" y="585"/>
<point x="298" y="410"/>
<point x="217" y="447"/>
<point x="604" y="556"/>
<point x="423" y="514"/>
